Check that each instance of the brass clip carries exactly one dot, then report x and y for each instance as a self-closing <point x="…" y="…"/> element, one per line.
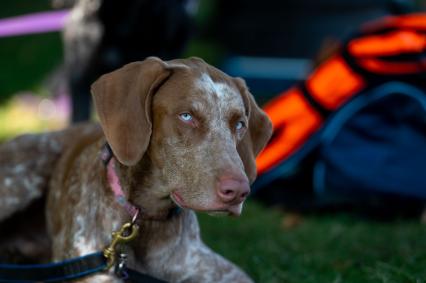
<point x="120" y="237"/>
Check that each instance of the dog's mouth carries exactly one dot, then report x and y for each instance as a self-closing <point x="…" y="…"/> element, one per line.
<point x="177" y="199"/>
<point x="217" y="210"/>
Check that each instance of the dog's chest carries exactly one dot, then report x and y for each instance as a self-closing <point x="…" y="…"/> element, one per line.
<point x="80" y="215"/>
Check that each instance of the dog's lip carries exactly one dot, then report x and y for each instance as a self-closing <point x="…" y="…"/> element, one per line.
<point x="177" y="199"/>
<point x="230" y="210"/>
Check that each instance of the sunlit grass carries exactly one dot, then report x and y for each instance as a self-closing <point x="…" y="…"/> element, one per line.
<point x="28" y="113"/>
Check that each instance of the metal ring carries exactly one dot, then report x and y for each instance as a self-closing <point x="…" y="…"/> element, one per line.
<point x="135" y="216"/>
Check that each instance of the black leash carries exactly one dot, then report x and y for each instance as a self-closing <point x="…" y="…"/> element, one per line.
<point x="136" y="277"/>
<point x="53" y="272"/>
<point x="67" y="270"/>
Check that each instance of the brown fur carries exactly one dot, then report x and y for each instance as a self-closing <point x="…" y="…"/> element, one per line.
<point x="164" y="161"/>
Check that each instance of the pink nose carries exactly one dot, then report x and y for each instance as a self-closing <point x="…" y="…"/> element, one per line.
<point x="232" y="190"/>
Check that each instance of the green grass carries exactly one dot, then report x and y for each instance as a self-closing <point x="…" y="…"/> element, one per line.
<point x="323" y="248"/>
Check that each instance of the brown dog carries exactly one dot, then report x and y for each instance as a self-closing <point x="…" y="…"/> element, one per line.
<point x="182" y="132"/>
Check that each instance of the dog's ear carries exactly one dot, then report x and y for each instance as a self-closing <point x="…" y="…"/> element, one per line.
<point x="123" y="101"/>
<point x="259" y="131"/>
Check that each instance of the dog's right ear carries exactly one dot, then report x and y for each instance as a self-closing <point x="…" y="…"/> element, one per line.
<point x="258" y="133"/>
<point x="123" y="101"/>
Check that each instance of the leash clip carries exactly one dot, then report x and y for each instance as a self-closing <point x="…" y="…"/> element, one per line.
<point x="127" y="233"/>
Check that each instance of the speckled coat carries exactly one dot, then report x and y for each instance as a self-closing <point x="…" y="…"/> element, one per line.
<point x="164" y="161"/>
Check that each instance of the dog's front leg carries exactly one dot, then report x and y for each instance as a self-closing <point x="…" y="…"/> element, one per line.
<point x="183" y="257"/>
<point x="201" y="264"/>
<point x="100" y="278"/>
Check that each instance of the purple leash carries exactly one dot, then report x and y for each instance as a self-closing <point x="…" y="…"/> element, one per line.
<point x="33" y="23"/>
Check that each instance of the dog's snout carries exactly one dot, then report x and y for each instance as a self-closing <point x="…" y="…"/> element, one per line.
<point x="232" y="189"/>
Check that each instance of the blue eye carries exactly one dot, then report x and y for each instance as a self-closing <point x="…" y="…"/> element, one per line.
<point x="239" y="125"/>
<point x="185" y="117"/>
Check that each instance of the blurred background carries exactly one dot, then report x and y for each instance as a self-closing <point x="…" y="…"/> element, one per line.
<point x="341" y="190"/>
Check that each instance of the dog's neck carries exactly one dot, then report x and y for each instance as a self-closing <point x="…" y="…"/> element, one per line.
<point x="141" y="186"/>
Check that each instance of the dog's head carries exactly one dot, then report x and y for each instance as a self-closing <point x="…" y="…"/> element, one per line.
<point x="199" y="128"/>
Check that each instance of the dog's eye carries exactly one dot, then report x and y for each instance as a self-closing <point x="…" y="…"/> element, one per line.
<point x="185" y="117"/>
<point x="240" y="125"/>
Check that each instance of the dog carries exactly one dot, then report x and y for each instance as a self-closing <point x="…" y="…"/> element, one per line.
<point x="182" y="134"/>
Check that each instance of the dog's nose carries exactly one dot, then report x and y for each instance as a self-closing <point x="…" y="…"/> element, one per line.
<point x="232" y="190"/>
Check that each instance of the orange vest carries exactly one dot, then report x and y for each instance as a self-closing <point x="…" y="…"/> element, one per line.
<point x="391" y="48"/>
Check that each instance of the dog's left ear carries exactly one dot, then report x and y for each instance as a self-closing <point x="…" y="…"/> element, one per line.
<point x="259" y="131"/>
<point x="123" y="101"/>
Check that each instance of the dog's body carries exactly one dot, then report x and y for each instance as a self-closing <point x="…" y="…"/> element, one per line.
<point x="192" y="144"/>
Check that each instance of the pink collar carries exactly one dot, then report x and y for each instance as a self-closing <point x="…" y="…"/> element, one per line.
<point x="114" y="182"/>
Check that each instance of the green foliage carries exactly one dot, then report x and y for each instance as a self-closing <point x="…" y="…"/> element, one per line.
<point x="25" y="60"/>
